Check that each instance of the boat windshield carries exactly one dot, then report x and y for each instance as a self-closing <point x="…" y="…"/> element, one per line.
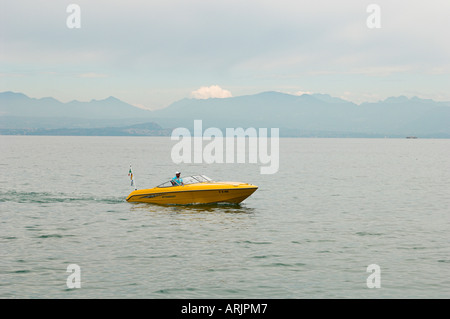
<point x="194" y="179"/>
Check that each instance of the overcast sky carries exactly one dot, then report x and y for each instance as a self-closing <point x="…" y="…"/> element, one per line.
<point x="153" y="53"/>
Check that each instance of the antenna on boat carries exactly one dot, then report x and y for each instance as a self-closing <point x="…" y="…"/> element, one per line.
<point x="130" y="173"/>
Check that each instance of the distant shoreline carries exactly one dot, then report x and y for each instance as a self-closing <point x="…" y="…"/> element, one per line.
<point x="167" y="133"/>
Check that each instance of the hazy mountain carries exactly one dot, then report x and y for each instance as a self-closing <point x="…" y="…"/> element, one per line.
<point x="313" y="113"/>
<point x="18" y="104"/>
<point x="305" y="115"/>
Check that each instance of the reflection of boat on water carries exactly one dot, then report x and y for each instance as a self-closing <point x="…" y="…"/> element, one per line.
<point x="196" y="189"/>
<point x="413" y="137"/>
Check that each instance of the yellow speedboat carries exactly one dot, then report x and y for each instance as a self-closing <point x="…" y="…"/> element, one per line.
<point x="196" y="189"/>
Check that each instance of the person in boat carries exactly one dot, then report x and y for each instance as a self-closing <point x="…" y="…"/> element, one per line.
<point x="177" y="180"/>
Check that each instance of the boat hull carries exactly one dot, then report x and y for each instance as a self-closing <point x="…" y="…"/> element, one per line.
<point x="202" y="193"/>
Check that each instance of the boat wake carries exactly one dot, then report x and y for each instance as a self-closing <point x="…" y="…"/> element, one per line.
<point x="48" y="198"/>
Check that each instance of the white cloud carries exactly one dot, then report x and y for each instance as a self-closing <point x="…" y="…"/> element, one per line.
<point x="299" y="93"/>
<point x="213" y="91"/>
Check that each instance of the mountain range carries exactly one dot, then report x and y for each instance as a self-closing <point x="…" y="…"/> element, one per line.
<point x="306" y="115"/>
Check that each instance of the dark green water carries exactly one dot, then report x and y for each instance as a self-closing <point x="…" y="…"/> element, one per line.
<point x="335" y="207"/>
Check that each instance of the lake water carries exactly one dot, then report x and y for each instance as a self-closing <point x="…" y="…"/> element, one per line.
<point x="311" y="230"/>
